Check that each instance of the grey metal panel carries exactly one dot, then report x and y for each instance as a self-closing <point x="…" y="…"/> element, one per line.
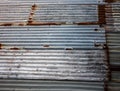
<point x="42" y="85"/>
<point x="113" y="34"/>
<point x="53" y="52"/>
<point x="66" y="13"/>
<point x="54" y="37"/>
<point x="113" y="40"/>
<point x="54" y="1"/>
<point x="49" y="13"/>
<point x="114" y="85"/>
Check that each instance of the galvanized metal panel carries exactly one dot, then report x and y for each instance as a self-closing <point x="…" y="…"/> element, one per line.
<point x="113" y="36"/>
<point x="60" y="52"/>
<point x="53" y="52"/>
<point x="113" y="33"/>
<point x="41" y="85"/>
<point x="114" y="85"/>
<point x="49" y="13"/>
<point x="55" y="1"/>
<point x="66" y="13"/>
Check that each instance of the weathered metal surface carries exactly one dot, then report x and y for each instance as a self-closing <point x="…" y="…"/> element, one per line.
<point x="113" y="36"/>
<point x="114" y="85"/>
<point x="42" y="85"/>
<point x="56" y="52"/>
<point x="68" y="52"/>
<point x="50" y="12"/>
<point x="113" y="33"/>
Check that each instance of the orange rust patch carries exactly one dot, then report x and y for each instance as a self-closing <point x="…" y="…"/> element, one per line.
<point x="14" y="48"/>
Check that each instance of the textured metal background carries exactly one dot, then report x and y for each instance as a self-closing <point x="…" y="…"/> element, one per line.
<point x="66" y="52"/>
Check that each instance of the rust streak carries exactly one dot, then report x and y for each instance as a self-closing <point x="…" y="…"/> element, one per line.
<point x="14" y="48"/>
<point x="101" y="14"/>
<point x="13" y="24"/>
<point x="6" y="24"/>
<point x="110" y="1"/>
<point x="87" y="23"/>
<point x="30" y="19"/>
<point x="43" y="23"/>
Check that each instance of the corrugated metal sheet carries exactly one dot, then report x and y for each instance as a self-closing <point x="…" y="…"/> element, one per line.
<point x="63" y="12"/>
<point x="113" y="36"/>
<point x="114" y="84"/>
<point x="64" y="52"/>
<point x="60" y="52"/>
<point x="39" y="85"/>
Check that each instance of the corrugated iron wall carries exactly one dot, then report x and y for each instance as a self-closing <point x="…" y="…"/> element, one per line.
<point x="63" y="52"/>
<point x="61" y="40"/>
<point x="113" y="36"/>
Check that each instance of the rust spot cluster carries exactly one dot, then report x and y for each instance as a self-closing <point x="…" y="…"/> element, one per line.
<point x="30" y="19"/>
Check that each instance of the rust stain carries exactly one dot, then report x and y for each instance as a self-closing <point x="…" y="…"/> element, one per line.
<point x="87" y="23"/>
<point x="44" y="23"/>
<point x="101" y="14"/>
<point x="6" y="24"/>
<point x="46" y="46"/>
<point x="13" y="24"/>
<point x="30" y="19"/>
<point x="14" y="48"/>
<point x="34" y="7"/>
<point x="0" y="46"/>
<point x="110" y="1"/>
<point x="68" y="48"/>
